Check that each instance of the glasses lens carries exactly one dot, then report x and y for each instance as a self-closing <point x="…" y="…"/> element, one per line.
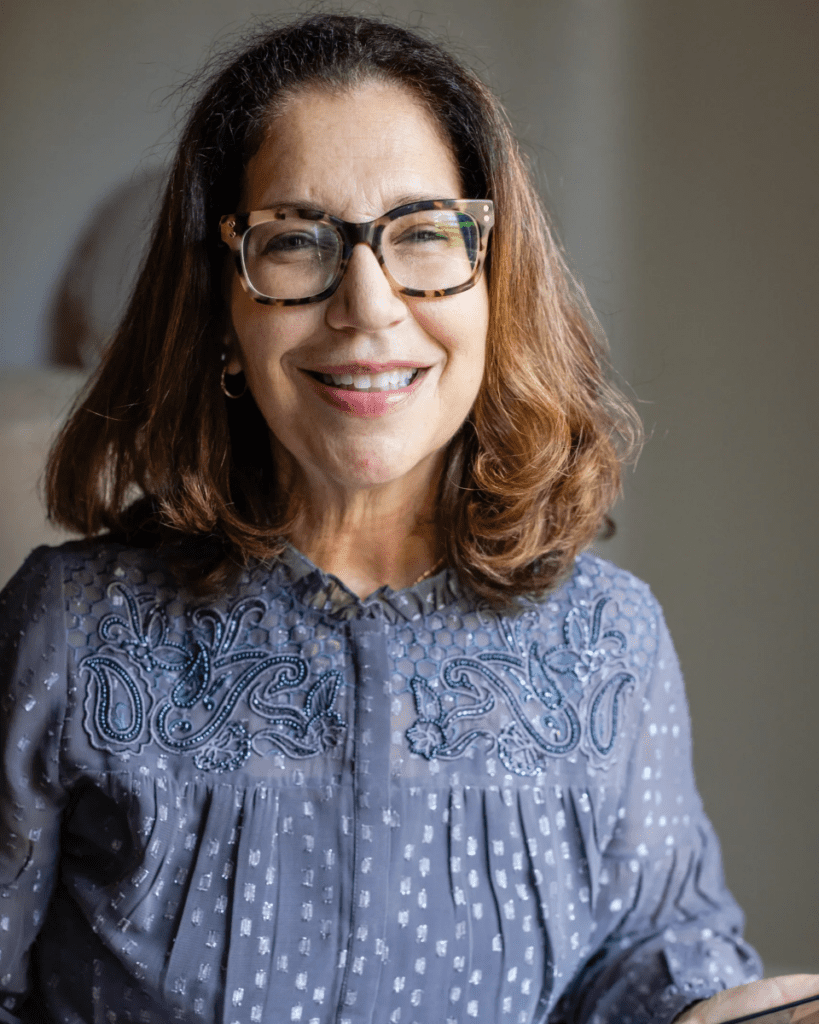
<point x="291" y="257"/>
<point x="431" y="249"/>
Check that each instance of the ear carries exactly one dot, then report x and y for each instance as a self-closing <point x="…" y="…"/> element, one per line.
<point x="231" y="353"/>
<point x="232" y="360"/>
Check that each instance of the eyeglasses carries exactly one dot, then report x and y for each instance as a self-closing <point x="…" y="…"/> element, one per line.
<point x="289" y="256"/>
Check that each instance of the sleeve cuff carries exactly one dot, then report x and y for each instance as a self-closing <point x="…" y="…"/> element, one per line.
<point x="677" y="998"/>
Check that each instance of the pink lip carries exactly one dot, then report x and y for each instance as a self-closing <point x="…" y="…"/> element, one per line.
<point x="364" y="403"/>
<point x="362" y="368"/>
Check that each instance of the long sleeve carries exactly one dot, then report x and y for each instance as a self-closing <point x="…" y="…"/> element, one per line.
<point x="671" y="933"/>
<point x="32" y="709"/>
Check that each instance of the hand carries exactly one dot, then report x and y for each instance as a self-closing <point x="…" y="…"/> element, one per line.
<point x="752" y="998"/>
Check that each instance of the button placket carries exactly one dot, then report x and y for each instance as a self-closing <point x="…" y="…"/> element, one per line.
<point x="366" y="947"/>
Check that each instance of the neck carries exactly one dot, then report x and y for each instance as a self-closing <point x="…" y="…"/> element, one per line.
<point x="369" y="537"/>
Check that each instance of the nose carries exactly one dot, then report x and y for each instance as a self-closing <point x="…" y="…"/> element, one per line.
<point x="365" y="300"/>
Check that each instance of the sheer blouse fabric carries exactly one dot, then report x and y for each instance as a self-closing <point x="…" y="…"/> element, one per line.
<point x="290" y="804"/>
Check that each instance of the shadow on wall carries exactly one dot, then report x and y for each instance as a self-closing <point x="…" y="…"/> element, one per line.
<point x="90" y="299"/>
<point x="101" y="272"/>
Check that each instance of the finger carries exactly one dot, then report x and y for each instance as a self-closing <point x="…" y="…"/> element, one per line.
<point x="755" y="998"/>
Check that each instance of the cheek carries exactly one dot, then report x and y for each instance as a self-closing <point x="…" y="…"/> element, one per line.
<point x="459" y="324"/>
<point x="265" y="334"/>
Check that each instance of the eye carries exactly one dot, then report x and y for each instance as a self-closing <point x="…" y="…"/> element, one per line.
<point x="299" y="246"/>
<point x="292" y="241"/>
<point x="419" y="234"/>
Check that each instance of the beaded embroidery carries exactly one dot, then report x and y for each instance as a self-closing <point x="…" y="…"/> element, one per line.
<point x="587" y="663"/>
<point x="183" y="699"/>
<point x="565" y="698"/>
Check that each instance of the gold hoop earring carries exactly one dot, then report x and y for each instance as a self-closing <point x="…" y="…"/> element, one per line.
<point x="223" y="385"/>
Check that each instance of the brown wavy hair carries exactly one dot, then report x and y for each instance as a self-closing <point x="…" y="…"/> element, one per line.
<point x="530" y="476"/>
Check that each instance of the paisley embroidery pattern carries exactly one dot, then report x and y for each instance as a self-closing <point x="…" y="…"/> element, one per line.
<point x="589" y="662"/>
<point x="200" y="688"/>
<point x="144" y="686"/>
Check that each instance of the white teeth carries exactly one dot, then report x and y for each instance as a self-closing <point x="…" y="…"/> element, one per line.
<point x="388" y="381"/>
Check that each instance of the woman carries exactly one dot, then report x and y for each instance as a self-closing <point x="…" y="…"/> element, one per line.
<point x="335" y="724"/>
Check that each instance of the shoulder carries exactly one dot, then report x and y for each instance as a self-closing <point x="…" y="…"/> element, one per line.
<point x="101" y="559"/>
<point x="597" y="608"/>
<point x="601" y="622"/>
<point x="592" y="571"/>
<point x="632" y="597"/>
<point x="598" y="589"/>
<point x="58" y="583"/>
<point x="34" y="589"/>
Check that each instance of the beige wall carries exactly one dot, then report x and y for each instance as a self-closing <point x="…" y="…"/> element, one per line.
<point x="676" y="140"/>
<point x="720" y="312"/>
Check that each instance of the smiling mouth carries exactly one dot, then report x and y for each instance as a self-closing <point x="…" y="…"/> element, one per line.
<point x="392" y="380"/>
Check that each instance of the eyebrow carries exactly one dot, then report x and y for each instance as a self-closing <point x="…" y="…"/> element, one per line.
<point x="418" y="197"/>
<point x="308" y="204"/>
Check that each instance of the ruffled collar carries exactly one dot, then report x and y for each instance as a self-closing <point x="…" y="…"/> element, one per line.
<point x="324" y="592"/>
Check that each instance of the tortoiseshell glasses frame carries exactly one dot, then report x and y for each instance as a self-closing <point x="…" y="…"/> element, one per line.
<point x="235" y="233"/>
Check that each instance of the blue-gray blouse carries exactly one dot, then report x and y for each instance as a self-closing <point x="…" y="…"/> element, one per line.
<point x="291" y="804"/>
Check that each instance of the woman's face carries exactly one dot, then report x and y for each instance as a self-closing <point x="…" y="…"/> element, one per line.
<point x="356" y="155"/>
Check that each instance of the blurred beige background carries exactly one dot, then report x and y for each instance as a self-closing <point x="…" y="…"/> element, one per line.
<point x="676" y="143"/>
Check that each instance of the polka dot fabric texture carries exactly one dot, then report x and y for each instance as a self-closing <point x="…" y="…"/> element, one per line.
<point x="290" y="804"/>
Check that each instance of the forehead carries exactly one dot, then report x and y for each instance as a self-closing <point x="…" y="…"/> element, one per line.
<point x="355" y="153"/>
